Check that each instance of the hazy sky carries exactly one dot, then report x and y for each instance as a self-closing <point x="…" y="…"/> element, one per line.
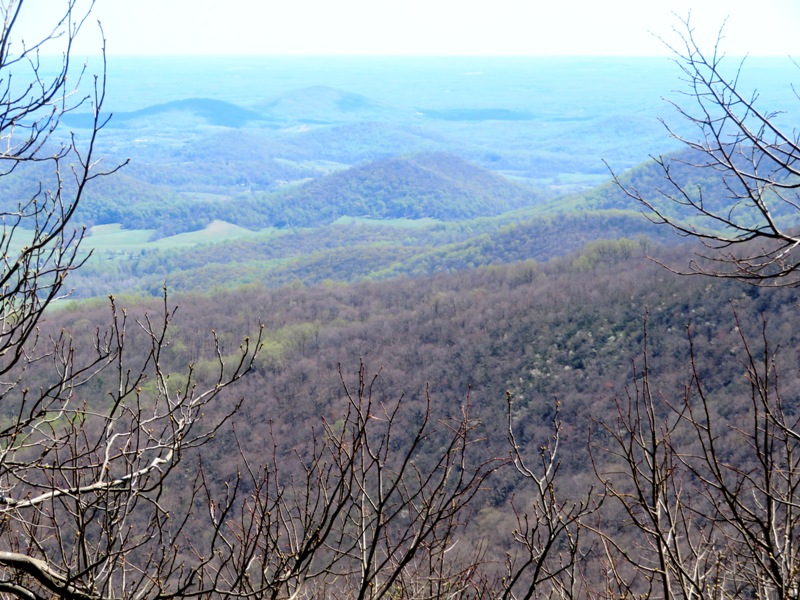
<point x="438" y="27"/>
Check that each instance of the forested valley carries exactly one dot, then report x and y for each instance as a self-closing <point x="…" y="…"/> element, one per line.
<point x="469" y="328"/>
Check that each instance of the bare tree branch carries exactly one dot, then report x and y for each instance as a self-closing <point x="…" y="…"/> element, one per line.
<point x="751" y="233"/>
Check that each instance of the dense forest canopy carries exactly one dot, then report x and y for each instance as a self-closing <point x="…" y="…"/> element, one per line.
<point x="567" y="335"/>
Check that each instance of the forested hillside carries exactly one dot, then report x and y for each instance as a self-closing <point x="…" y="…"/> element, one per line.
<point x="358" y="250"/>
<point x="411" y="215"/>
<point x="419" y="186"/>
<point x="438" y="186"/>
<point x="568" y="336"/>
<point x="693" y="172"/>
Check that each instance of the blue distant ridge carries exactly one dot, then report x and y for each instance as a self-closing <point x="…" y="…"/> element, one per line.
<point x="214" y="112"/>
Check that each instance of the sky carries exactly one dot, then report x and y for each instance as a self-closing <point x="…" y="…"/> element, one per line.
<point x="437" y="27"/>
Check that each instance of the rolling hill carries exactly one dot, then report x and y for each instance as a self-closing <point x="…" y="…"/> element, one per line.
<point x="426" y="185"/>
<point x="690" y="172"/>
<point x="211" y="112"/>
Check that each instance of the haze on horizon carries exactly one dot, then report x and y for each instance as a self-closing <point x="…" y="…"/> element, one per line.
<point x="438" y="27"/>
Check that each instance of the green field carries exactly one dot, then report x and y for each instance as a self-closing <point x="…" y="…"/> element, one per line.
<point x="112" y="239"/>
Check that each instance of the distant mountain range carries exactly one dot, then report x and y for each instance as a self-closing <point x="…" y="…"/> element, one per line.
<point x="303" y="132"/>
<point x="325" y="105"/>
<point x="315" y="105"/>
<point x="211" y="112"/>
